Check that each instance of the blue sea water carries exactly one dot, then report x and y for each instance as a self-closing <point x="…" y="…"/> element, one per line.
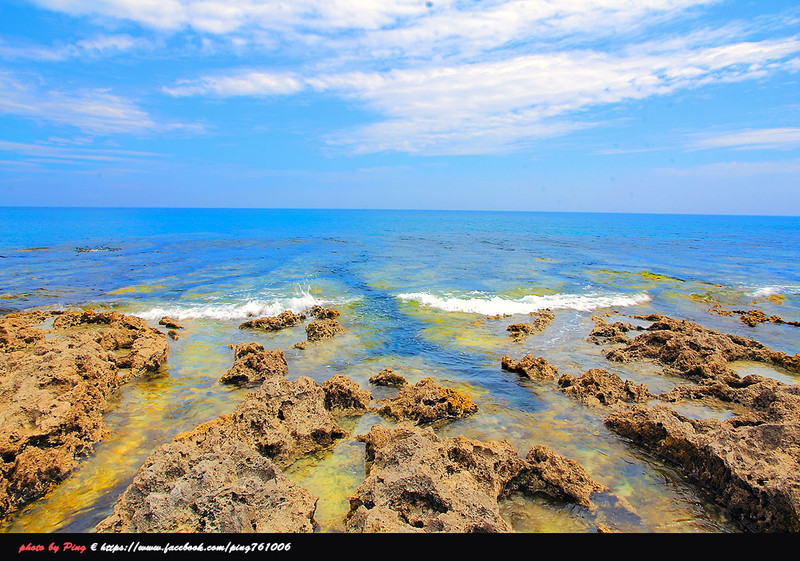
<point x="415" y="289"/>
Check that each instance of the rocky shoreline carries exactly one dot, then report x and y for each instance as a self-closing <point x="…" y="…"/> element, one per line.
<point x="226" y="475"/>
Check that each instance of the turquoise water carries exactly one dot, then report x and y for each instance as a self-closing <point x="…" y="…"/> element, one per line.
<point x="414" y="288"/>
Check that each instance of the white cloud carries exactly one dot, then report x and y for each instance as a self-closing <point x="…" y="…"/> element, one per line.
<point x="98" y="45"/>
<point x="498" y="104"/>
<point x="735" y="170"/>
<point x="94" y="111"/>
<point x="773" y="138"/>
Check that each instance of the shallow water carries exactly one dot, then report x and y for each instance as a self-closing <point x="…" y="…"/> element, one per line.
<point x="414" y="289"/>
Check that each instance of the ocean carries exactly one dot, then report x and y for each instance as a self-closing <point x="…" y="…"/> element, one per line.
<point x="415" y="289"/>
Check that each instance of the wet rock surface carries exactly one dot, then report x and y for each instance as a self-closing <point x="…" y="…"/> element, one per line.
<point x="426" y="402"/>
<point x="600" y="387"/>
<point x="323" y="329"/>
<point x="752" y="469"/>
<point x="324" y="313"/>
<point x="519" y="331"/>
<point x="689" y="350"/>
<point x="54" y="389"/>
<point x="388" y="377"/>
<point x="253" y="363"/>
<point x="283" y="320"/>
<point x="170" y="323"/>
<point x="615" y="332"/>
<point x="530" y="366"/>
<point x="418" y="482"/>
<point x="345" y="397"/>
<point x="750" y="461"/>
<point x="224" y="476"/>
<point x="752" y="318"/>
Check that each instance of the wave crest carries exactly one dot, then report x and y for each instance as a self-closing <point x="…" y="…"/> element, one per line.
<point x="525" y="305"/>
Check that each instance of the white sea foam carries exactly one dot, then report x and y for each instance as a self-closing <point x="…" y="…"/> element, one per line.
<point x="772" y="290"/>
<point x="492" y="305"/>
<point x="234" y="310"/>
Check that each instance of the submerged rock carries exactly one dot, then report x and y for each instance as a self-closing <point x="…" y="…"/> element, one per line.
<point x="418" y="482"/>
<point x="170" y="323"/>
<point x="615" y="332"/>
<point x="426" y="402"/>
<point x="536" y="368"/>
<point x="252" y="364"/>
<point x="388" y="377"/>
<point x="600" y="387"/>
<point x="520" y="330"/>
<point x="54" y="390"/>
<point x="275" y="323"/>
<point x="752" y="318"/>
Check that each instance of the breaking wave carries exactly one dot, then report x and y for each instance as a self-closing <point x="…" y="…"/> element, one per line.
<point x="234" y="310"/>
<point x="493" y="305"/>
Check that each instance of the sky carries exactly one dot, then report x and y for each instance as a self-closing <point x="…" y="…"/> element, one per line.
<point x="662" y="106"/>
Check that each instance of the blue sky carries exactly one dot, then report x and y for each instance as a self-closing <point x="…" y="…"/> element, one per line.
<point x="688" y="106"/>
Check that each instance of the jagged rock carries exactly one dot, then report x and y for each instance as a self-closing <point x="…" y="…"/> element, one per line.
<point x="426" y="402"/>
<point x="170" y="323"/>
<point x="692" y="351"/>
<point x="54" y="390"/>
<point x="388" y="377"/>
<point x="615" y="332"/>
<point x="274" y="323"/>
<point x="174" y="335"/>
<point x="752" y="318"/>
<point x="536" y="368"/>
<point x="753" y="469"/>
<point x="599" y="387"/>
<point x="252" y="364"/>
<point x="344" y="397"/>
<point x="211" y="485"/>
<point x="520" y="330"/>
<point x="764" y="400"/>
<point x="322" y="329"/>
<point x="418" y="482"/>
<point x="324" y="313"/>
<point x="224" y="475"/>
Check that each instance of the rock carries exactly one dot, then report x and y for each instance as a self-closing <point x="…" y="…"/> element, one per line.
<point x="324" y="313"/>
<point x="418" y="482"/>
<point x="275" y="323"/>
<point x="170" y="323"/>
<point x="252" y="364"/>
<point x="520" y="330"/>
<point x="387" y="377"/>
<point x="764" y="400"/>
<point x="322" y="329"/>
<point x="689" y="350"/>
<point x="599" y="387"/>
<point x="54" y="390"/>
<point x="224" y="475"/>
<point x="344" y="397"/>
<point x="753" y="469"/>
<point x="426" y="402"/>
<point x="752" y="318"/>
<point x="536" y="368"/>
<point x="211" y="486"/>
<point x="284" y="420"/>
<point x="174" y="335"/>
<point x="615" y="332"/>
<point x="301" y="345"/>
